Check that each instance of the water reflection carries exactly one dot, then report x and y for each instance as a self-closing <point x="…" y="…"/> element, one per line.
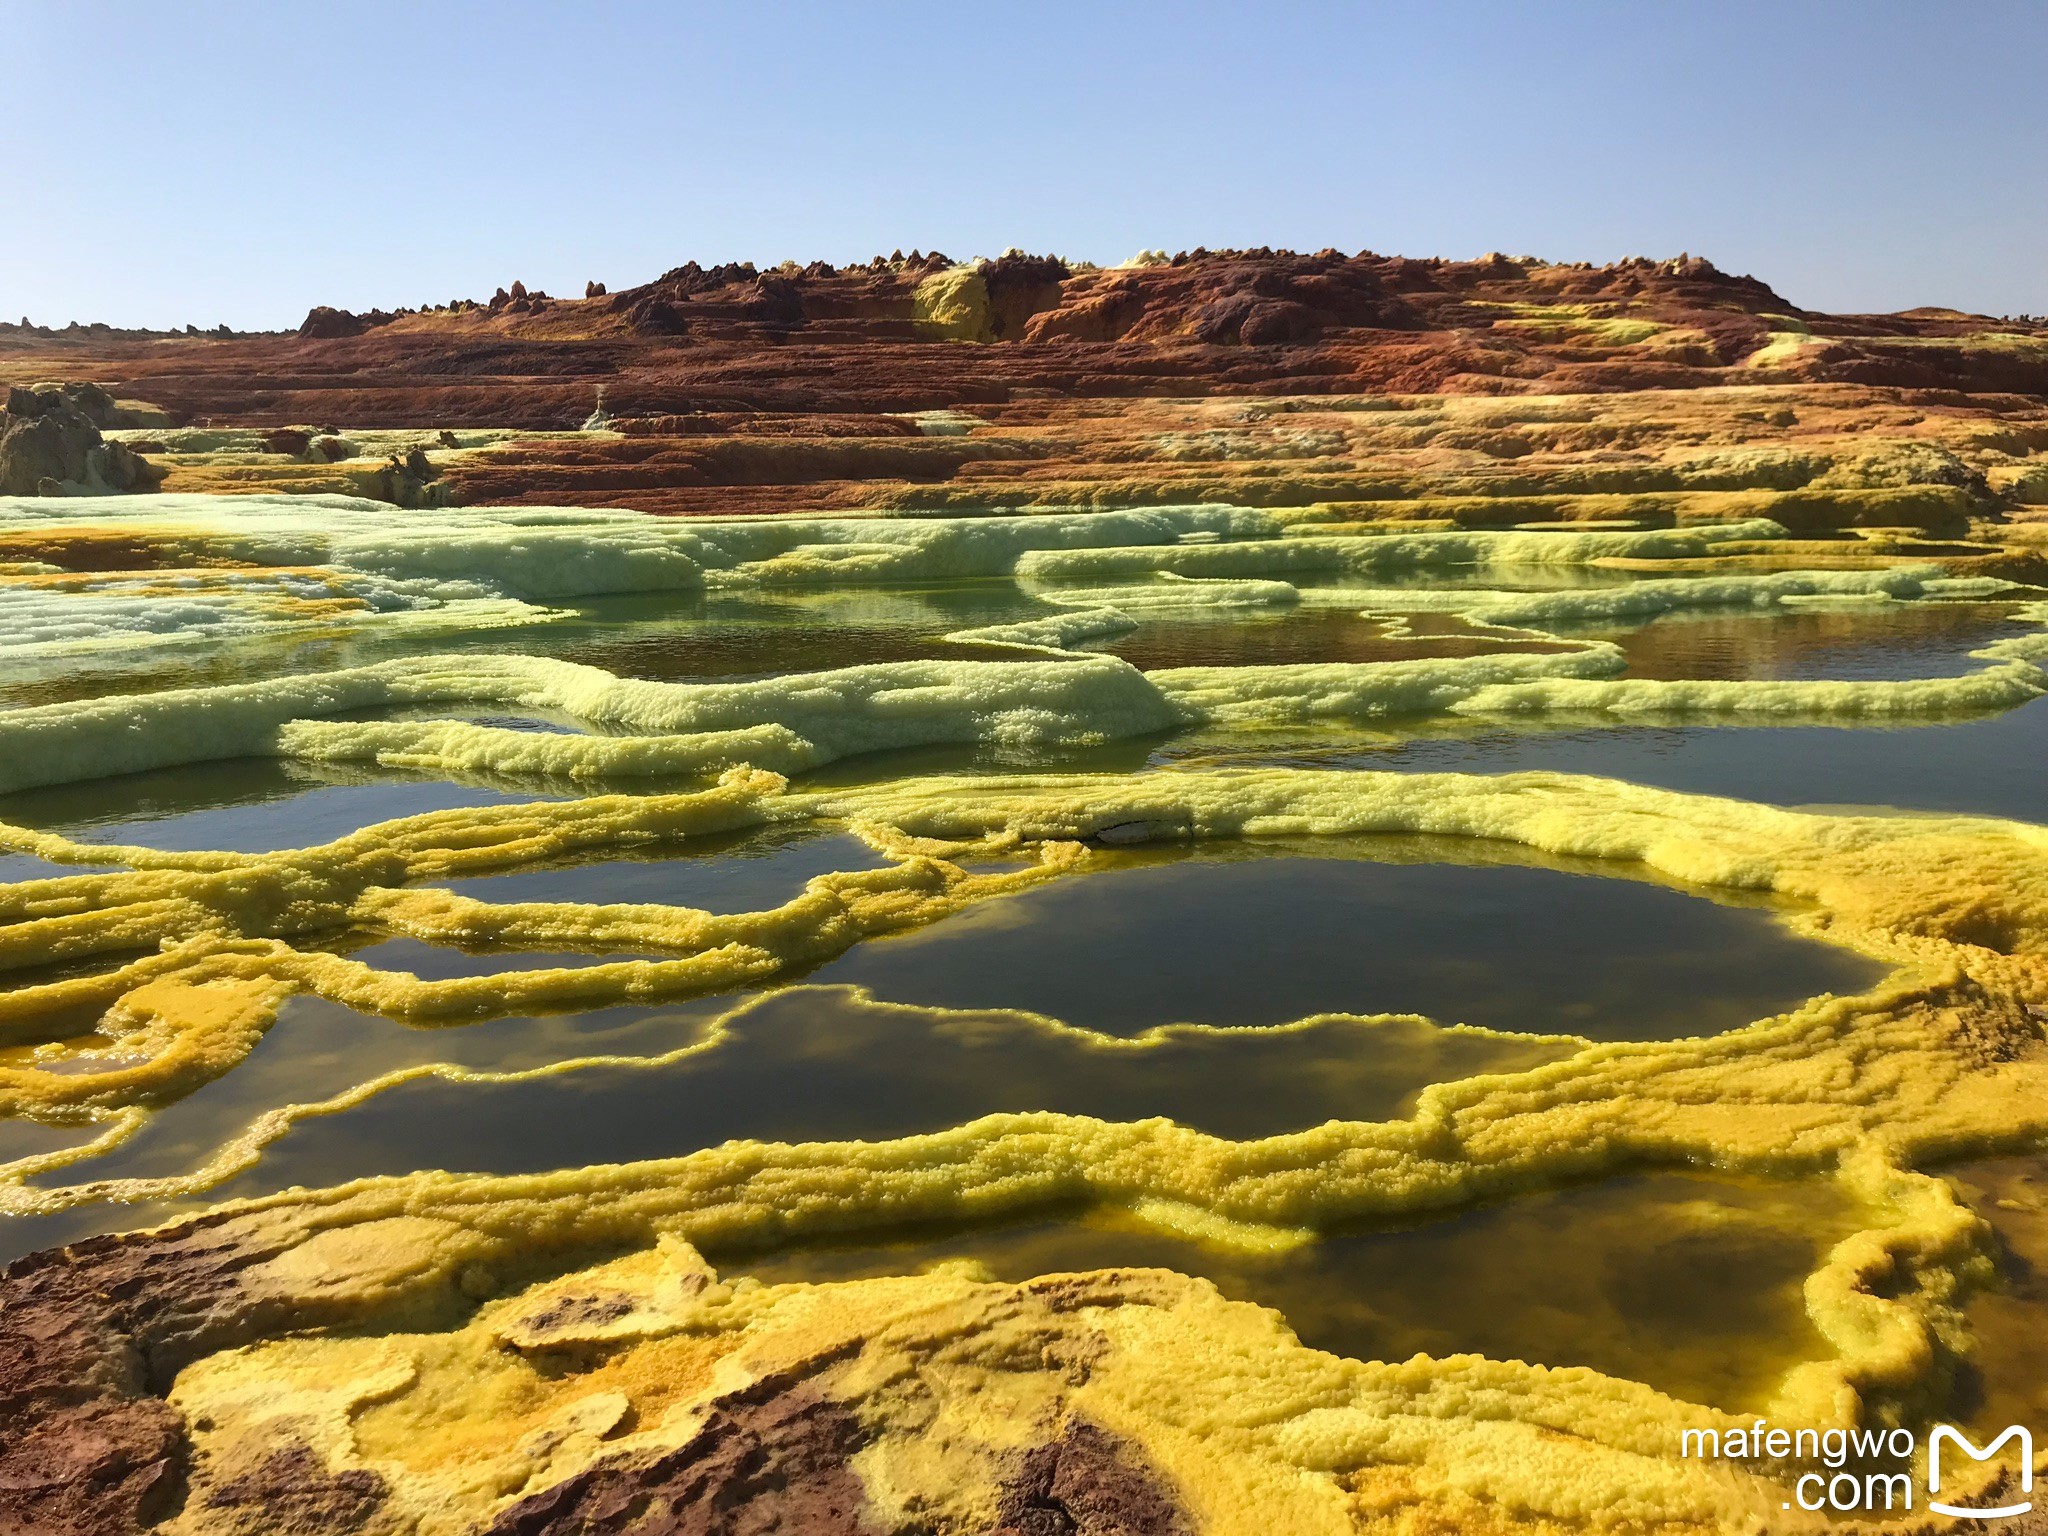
<point x="1694" y="1285"/>
<point x="1263" y="932"/>
<point x="2006" y="1379"/>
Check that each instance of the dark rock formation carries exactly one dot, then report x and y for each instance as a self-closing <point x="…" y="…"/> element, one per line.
<point x="408" y="481"/>
<point x="51" y="445"/>
<point x="774" y="1456"/>
<point x="323" y="322"/>
<point x="89" y="1340"/>
<point x="292" y="1492"/>
<point x="1088" y="1482"/>
<point x="1020" y="287"/>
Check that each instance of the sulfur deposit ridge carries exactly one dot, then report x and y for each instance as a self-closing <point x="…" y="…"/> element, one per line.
<point x="1939" y="1058"/>
<point x="982" y="585"/>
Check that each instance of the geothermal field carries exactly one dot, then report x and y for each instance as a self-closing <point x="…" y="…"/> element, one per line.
<point x="1250" y="893"/>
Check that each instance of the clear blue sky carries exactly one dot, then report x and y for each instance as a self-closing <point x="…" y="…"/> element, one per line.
<point x="196" y="162"/>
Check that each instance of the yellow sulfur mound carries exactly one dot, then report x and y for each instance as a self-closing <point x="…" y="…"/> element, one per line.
<point x="937" y="1386"/>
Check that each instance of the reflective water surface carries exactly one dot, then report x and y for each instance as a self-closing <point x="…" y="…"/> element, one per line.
<point x="1171" y="983"/>
<point x="2006" y="1380"/>
<point x="1691" y="1284"/>
<point x="1259" y="933"/>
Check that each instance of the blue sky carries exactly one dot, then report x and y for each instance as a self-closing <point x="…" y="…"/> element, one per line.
<point x="216" y="162"/>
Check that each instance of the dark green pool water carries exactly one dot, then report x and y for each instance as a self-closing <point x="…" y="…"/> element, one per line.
<point x="1263" y="933"/>
<point x="1691" y="1284"/>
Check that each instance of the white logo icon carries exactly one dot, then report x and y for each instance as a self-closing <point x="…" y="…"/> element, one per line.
<point x="1944" y="1432"/>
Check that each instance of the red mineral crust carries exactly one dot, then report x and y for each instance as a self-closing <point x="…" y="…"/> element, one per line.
<point x="771" y="1457"/>
<point x="92" y="1336"/>
<point x="729" y="389"/>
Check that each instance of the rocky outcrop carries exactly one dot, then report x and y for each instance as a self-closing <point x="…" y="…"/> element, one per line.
<point x="51" y="445"/>
<point x="1060" y="360"/>
<point x="323" y="322"/>
<point x="408" y="480"/>
<point x="1019" y="288"/>
<point x="988" y="300"/>
<point x="1261" y="299"/>
<point x="820" y="338"/>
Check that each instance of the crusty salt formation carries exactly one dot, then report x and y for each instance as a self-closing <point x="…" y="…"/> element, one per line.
<point x="799" y="721"/>
<point x="994" y="641"/>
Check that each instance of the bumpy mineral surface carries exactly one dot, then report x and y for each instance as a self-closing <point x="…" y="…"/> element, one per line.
<point x="1246" y="893"/>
